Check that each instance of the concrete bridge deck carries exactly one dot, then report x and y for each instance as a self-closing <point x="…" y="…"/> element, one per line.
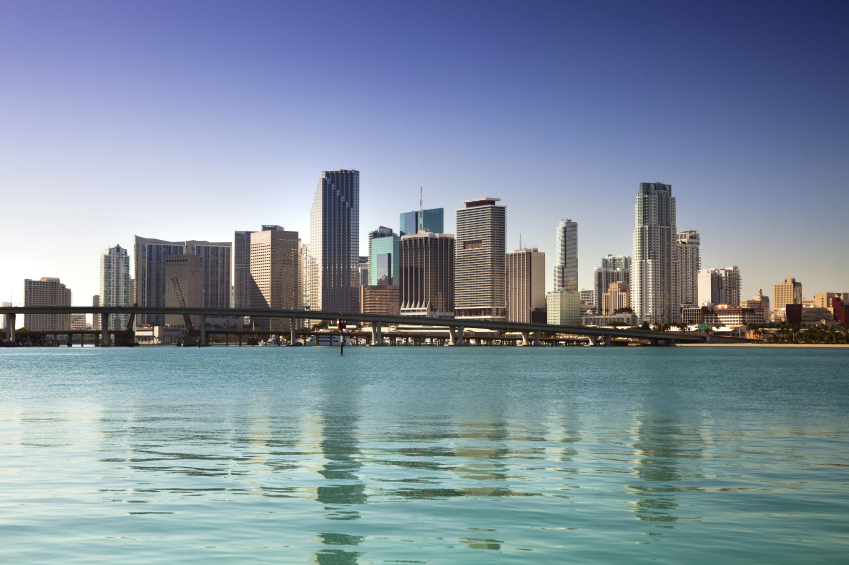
<point x="456" y="326"/>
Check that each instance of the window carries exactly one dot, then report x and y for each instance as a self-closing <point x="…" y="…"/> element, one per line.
<point x="475" y="244"/>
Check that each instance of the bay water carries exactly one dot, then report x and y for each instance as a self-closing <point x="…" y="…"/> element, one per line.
<point x="424" y="455"/>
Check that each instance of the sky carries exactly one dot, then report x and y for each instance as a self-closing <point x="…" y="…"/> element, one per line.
<point x="191" y="120"/>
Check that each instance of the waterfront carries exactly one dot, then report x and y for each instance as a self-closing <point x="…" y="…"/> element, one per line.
<point x="430" y="455"/>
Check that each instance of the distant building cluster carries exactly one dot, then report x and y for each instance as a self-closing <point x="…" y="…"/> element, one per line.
<point x="419" y="271"/>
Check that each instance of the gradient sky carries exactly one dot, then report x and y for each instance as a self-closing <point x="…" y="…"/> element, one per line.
<point x="190" y="120"/>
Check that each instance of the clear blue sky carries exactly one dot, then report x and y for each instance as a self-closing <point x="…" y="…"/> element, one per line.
<point x="190" y="120"/>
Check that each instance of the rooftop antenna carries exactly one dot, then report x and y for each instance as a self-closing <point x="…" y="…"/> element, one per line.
<point x="421" y="220"/>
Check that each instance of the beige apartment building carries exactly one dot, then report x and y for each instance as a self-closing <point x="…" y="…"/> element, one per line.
<point x="274" y="274"/>
<point x="183" y="288"/>
<point x="789" y="292"/>
<point x="759" y="302"/>
<point x="526" y="286"/>
<point x="617" y="296"/>
<point x="48" y="291"/>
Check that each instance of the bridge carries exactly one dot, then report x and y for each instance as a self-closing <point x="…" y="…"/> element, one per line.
<point x="530" y="333"/>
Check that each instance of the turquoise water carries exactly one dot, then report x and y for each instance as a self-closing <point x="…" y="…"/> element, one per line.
<point x="424" y="455"/>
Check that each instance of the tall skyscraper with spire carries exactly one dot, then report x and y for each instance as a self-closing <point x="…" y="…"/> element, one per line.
<point x="655" y="296"/>
<point x="335" y="242"/>
<point x="566" y="258"/>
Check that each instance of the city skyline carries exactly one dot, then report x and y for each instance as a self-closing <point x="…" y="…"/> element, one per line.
<point x="749" y="118"/>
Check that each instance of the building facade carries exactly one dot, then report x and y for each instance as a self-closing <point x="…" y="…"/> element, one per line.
<point x="720" y="286"/>
<point x="363" y="266"/>
<point x="427" y="275"/>
<point x="335" y="241"/>
<point x="78" y="322"/>
<point x="95" y="318"/>
<point x="602" y="279"/>
<point x="242" y="266"/>
<point x="616" y="262"/>
<point x="789" y="292"/>
<point x="383" y="246"/>
<point x="526" y="286"/>
<point x="689" y="264"/>
<point x="274" y="276"/>
<point x="183" y="288"/>
<point x="654" y="270"/>
<point x="382" y="299"/>
<point x="47" y="291"/>
<point x="432" y="220"/>
<point x="151" y="284"/>
<point x="479" y="257"/>
<point x="759" y="302"/>
<point x="618" y="296"/>
<point x="115" y="284"/>
<point x="566" y="257"/>
<point x="563" y="308"/>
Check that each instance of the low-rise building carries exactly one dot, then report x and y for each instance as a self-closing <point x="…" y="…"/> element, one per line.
<point x="731" y="316"/>
<point x="563" y="308"/>
<point x="621" y="319"/>
<point x="380" y="299"/>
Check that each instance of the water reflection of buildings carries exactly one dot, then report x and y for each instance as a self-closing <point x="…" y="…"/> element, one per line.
<point x="341" y="489"/>
<point x="668" y="451"/>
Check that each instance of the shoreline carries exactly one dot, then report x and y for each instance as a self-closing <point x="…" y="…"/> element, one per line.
<point x="838" y="345"/>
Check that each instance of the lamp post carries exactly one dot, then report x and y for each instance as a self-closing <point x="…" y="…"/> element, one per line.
<point x="342" y="323"/>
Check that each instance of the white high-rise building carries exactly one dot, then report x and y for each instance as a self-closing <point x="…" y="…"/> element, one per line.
<point x="654" y="269"/>
<point x="566" y="258"/>
<point x="115" y="283"/>
<point x="720" y="286"/>
<point x="479" y="260"/>
<point x="689" y="263"/>
<point x="616" y="262"/>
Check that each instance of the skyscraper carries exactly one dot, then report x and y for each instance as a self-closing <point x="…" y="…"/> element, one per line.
<point x="654" y="270"/>
<point x="526" y="286"/>
<point x="432" y="220"/>
<point x="616" y="262"/>
<point x="566" y="261"/>
<point x="335" y="241"/>
<point x="115" y="283"/>
<point x="789" y="292"/>
<point x="149" y="257"/>
<point x="603" y="278"/>
<point x="427" y="275"/>
<point x="479" y="274"/>
<point x="242" y="266"/>
<point x="720" y="286"/>
<point x="689" y="263"/>
<point x="48" y="291"/>
<point x="183" y="288"/>
<point x="383" y="250"/>
<point x="363" y="265"/>
<point x="274" y="275"/>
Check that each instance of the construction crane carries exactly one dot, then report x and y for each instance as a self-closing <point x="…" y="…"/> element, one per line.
<point x="179" y="294"/>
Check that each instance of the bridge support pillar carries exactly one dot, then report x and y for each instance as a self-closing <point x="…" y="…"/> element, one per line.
<point x="104" y="330"/>
<point x="537" y="335"/>
<point x="525" y="336"/>
<point x="460" y="336"/>
<point x="70" y="339"/>
<point x="376" y="337"/>
<point x="10" y="327"/>
<point x="607" y="340"/>
<point x="203" y="329"/>
<point x="293" y="334"/>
